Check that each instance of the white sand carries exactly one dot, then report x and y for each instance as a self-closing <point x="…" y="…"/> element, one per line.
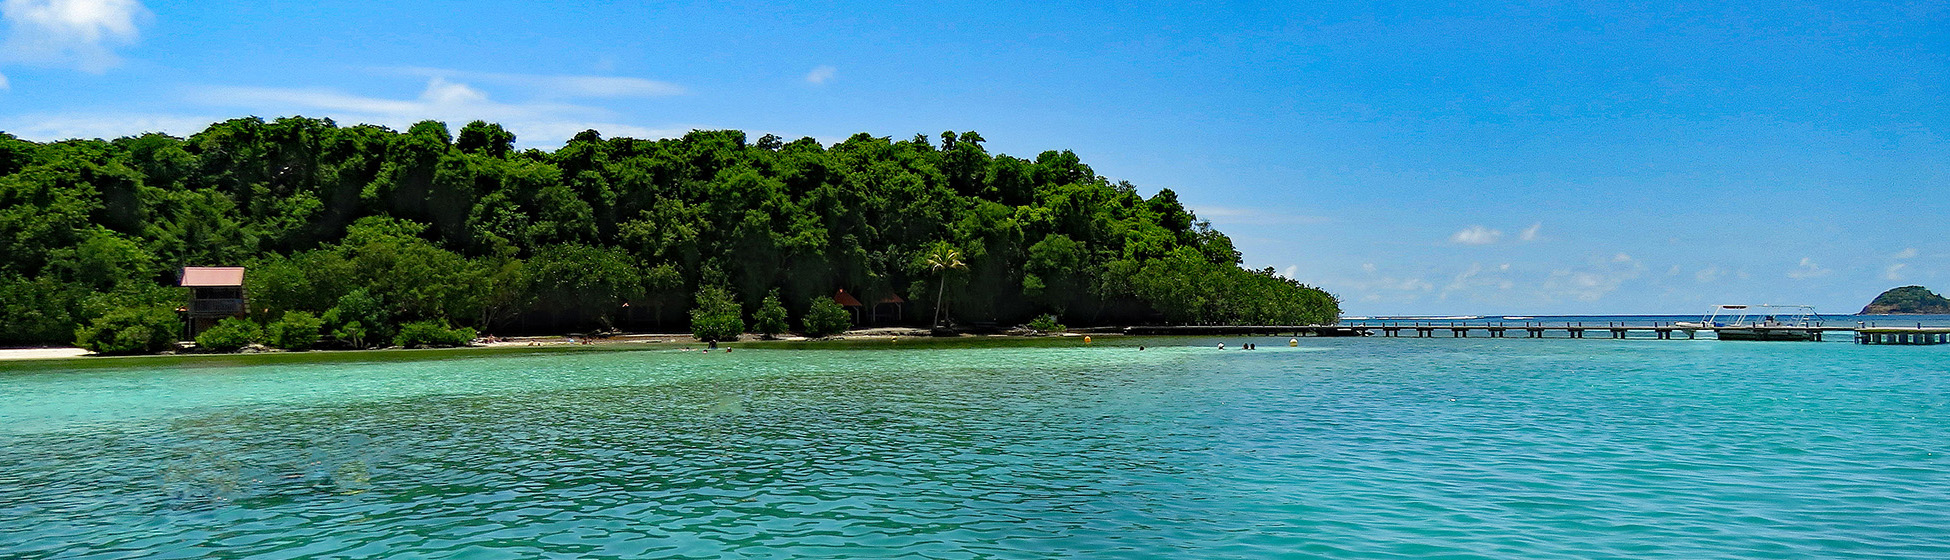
<point x="40" y="353"/>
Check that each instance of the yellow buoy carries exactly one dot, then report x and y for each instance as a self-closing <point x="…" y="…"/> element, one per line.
<point x="1293" y="343"/>
<point x="1086" y="340"/>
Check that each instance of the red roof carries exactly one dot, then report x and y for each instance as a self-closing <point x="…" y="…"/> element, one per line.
<point x="213" y="276"/>
<point x="846" y="299"/>
<point x="891" y="298"/>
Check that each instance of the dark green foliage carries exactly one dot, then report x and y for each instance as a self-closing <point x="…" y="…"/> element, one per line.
<point x="297" y="330"/>
<point x="770" y="318"/>
<point x="40" y="311"/>
<point x="358" y="319"/>
<point x="593" y="282"/>
<point x="430" y="334"/>
<point x="1046" y="323"/>
<point x="462" y="229"/>
<point x="130" y="330"/>
<point x="716" y="317"/>
<point x="230" y="335"/>
<point x="1908" y="300"/>
<point x="826" y="317"/>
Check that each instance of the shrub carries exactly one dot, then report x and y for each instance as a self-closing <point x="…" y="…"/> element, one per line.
<point x="230" y="335"/>
<point x="357" y="318"/>
<point x="716" y="316"/>
<point x="770" y="318"/>
<point x="298" y="330"/>
<point x="130" y="330"/>
<point x="826" y="318"/>
<point x="429" y="334"/>
<point x="1046" y="323"/>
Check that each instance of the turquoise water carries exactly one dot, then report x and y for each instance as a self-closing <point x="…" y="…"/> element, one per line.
<point x="1343" y="448"/>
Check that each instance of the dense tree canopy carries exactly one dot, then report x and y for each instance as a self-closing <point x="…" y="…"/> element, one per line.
<point x="1908" y="300"/>
<point x="423" y="226"/>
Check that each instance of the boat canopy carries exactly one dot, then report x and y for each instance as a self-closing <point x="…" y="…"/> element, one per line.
<point x="1765" y="315"/>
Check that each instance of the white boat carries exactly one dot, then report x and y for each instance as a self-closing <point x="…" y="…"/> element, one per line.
<point x="1760" y="322"/>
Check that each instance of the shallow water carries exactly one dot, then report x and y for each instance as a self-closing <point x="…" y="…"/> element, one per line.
<point x="1343" y="448"/>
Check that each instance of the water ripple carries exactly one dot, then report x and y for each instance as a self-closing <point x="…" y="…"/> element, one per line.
<point x="1351" y="449"/>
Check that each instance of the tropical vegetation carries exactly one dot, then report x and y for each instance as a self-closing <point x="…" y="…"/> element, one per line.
<point x="368" y="231"/>
<point x="1908" y="300"/>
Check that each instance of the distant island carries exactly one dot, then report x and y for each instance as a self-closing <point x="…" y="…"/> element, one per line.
<point x="363" y="236"/>
<point x="1908" y="300"/>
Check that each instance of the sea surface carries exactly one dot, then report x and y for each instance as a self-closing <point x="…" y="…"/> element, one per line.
<point x="1337" y="448"/>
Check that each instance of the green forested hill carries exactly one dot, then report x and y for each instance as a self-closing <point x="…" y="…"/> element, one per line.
<point x="395" y="227"/>
<point x="1908" y="300"/>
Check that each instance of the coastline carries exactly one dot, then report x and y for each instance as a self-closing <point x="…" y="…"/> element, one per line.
<point x="12" y="359"/>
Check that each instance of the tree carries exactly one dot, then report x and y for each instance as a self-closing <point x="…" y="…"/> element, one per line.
<point x="770" y="318"/>
<point x="942" y="258"/>
<point x="467" y="231"/>
<point x="826" y="317"/>
<point x="716" y="317"/>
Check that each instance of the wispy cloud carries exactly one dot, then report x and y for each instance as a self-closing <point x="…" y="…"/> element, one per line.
<point x="557" y="85"/>
<point x="822" y="74"/>
<point x="550" y="122"/>
<point x="1532" y="233"/>
<point x="1593" y="281"/>
<point x="53" y="127"/>
<point x="1380" y="288"/>
<point x="1906" y="253"/>
<point x="1808" y="269"/>
<point x="1476" y="235"/>
<point x="77" y="33"/>
<point x="1894" y="272"/>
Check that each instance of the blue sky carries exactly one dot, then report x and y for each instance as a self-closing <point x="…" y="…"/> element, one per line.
<point x="1412" y="157"/>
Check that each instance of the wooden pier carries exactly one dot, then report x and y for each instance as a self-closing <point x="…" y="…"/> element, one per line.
<point x="1918" y="335"/>
<point x="1538" y="329"/>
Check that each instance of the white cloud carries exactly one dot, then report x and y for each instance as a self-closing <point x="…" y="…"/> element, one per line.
<point x="1290" y="271"/>
<point x="76" y="33"/>
<point x="1532" y="233"/>
<point x="1906" y="253"/>
<point x="559" y="85"/>
<point x="1709" y="274"/>
<point x="821" y="75"/>
<point x="3" y="83"/>
<point x="1808" y="269"/>
<point x="1476" y="235"/>
<point x="1894" y="272"/>
<point x="1621" y="257"/>
<point x="535" y="123"/>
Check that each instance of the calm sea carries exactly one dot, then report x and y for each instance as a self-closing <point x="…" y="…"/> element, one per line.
<point x="1339" y="448"/>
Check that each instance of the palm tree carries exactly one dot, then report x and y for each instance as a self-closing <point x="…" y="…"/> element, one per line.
<point x="942" y="258"/>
